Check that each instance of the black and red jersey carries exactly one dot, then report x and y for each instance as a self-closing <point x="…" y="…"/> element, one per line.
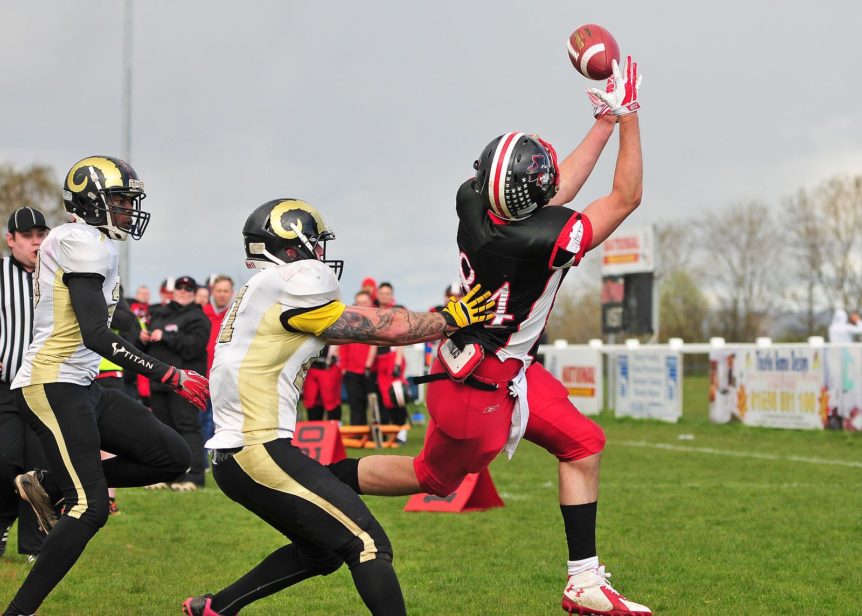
<point x="522" y="263"/>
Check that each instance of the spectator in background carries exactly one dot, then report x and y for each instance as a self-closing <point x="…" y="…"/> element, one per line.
<point x="453" y="290"/>
<point x="321" y="391"/>
<point x="369" y="285"/>
<point x="354" y="360"/>
<point x="20" y="449"/>
<point x="178" y="335"/>
<point x="842" y="329"/>
<point x="166" y="292"/>
<point x="137" y="385"/>
<point x="386" y="295"/>
<point x="202" y="296"/>
<point x="221" y="297"/>
<point x="391" y="381"/>
<point x="141" y="301"/>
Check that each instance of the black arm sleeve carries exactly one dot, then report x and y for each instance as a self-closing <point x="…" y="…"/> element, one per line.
<point x="85" y="292"/>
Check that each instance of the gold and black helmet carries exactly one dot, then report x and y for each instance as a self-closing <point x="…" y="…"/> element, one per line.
<point x="105" y="192"/>
<point x="285" y="230"/>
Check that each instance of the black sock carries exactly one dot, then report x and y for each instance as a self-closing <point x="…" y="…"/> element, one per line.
<point x="580" y="523"/>
<point x="347" y="471"/>
<point x="378" y="586"/>
<point x="276" y="572"/>
<point x="334" y="413"/>
<point x="315" y="413"/>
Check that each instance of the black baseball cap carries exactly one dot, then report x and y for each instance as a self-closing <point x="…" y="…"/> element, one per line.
<point x="186" y="281"/>
<point x="26" y="218"/>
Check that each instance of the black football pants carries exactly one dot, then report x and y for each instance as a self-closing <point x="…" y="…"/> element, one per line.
<point x="326" y="521"/>
<point x="182" y="416"/>
<point x="357" y="397"/>
<point x="73" y="422"/>
<point x="20" y="451"/>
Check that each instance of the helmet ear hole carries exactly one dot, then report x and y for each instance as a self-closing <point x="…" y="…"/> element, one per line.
<point x="292" y="254"/>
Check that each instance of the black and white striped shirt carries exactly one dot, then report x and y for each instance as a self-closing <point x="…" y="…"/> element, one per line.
<point x="16" y="316"/>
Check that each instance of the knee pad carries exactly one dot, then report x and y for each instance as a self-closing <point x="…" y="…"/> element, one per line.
<point x="441" y="486"/>
<point x="98" y="508"/>
<point x="375" y="545"/>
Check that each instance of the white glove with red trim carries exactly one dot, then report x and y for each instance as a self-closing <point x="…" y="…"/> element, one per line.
<point x="600" y="108"/>
<point x="621" y="95"/>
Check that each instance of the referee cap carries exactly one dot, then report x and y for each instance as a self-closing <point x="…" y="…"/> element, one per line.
<point x="26" y="218"/>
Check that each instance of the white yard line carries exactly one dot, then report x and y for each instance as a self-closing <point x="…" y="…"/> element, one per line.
<point x="739" y="454"/>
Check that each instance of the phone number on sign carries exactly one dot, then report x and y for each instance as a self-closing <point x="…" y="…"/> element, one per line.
<point x="784" y="401"/>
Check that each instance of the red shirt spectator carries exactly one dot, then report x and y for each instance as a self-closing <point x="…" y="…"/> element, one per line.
<point x="352" y="357"/>
<point x="221" y="296"/>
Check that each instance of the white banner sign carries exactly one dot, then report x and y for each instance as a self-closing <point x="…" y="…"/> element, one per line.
<point x="580" y="370"/>
<point x="631" y="251"/>
<point x="648" y="384"/>
<point x="770" y="387"/>
<point x="841" y="399"/>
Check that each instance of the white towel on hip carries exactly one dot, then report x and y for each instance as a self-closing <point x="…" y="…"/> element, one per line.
<point x="520" y="414"/>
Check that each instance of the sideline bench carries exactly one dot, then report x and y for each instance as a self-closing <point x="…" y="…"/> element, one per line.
<point x="359" y="437"/>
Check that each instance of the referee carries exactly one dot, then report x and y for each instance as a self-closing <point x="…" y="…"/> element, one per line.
<point x="20" y="450"/>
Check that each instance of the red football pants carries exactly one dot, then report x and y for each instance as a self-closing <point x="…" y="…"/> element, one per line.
<point x="469" y="427"/>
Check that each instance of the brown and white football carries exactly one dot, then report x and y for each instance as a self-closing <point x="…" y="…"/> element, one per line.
<point x="591" y="49"/>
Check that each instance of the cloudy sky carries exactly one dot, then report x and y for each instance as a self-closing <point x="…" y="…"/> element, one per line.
<point x="375" y="111"/>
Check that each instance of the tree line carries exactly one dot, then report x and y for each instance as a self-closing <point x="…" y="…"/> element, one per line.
<point x="746" y="270"/>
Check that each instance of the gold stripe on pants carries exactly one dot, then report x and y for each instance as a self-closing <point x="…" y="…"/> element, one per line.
<point x="256" y="462"/>
<point x="37" y="400"/>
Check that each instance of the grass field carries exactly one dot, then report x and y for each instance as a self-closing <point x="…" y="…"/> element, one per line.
<point x="735" y="521"/>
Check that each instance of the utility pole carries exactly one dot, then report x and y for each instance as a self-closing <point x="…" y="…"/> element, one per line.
<point x="125" y="258"/>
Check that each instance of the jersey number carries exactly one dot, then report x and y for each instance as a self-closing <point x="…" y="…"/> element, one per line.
<point x="500" y="296"/>
<point x="226" y="332"/>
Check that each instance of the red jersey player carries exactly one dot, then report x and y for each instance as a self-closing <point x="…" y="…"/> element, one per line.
<point x="486" y="392"/>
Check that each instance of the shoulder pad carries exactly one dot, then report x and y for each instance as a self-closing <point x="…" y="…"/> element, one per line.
<point x="309" y="277"/>
<point x="82" y="249"/>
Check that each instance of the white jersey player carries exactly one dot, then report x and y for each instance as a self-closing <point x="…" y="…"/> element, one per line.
<point x="275" y="329"/>
<point x="76" y="289"/>
<point x="264" y="349"/>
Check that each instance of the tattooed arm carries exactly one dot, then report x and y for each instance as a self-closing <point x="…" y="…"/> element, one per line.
<point x="398" y="326"/>
<point x="389" y="326"/>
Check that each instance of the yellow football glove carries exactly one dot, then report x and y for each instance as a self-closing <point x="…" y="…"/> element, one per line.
<point x="469" y="309"/>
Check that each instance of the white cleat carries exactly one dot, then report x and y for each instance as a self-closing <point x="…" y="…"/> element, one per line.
<point x="589" y="592"/>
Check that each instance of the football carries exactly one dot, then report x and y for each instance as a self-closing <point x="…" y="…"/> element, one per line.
<point x="591" y="49"/>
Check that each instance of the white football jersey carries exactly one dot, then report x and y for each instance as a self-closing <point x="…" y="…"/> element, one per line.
<point x="57" y="353"/>
<point x="259" y="366"/>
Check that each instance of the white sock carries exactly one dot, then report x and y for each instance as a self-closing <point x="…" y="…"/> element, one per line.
<point x="579" y="566"/>
<point x="402" y="435"/>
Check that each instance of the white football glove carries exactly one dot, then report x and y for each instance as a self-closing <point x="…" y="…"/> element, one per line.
<point x="600" y="108"/>
<point x="621" y="95"/>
